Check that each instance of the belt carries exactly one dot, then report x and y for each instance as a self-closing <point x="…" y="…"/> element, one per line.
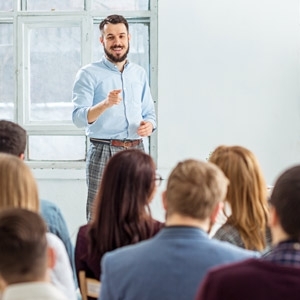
<point x="118" y="143"/>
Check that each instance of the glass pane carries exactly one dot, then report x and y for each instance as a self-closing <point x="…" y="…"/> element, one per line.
<point x="6" y="72"/>
<point x="121" y="5"/>
<point x="55" y="5"/>
<point x="54" y="61"/>
<point x="64" y="148"/>
<point x="6" y="5"/>
<point x="139" y="44"/>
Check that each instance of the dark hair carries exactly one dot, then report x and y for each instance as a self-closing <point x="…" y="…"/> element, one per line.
<point x="12" y="138"/>
<point x="113" y="19"/>
<point x="23" y="251"/>
<point x="285" y="198"/>
<point x="121" y="214"/>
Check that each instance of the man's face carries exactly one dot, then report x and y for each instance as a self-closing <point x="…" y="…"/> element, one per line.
<point x="115" y="41"/>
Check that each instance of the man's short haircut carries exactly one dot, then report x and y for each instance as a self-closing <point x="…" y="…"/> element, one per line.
<point x="194" y="188"/>
<point x="285" y="198"/>
<point x="12" y="138"/>
<point x="23" y="246"/>
<point x="113" y="19"/>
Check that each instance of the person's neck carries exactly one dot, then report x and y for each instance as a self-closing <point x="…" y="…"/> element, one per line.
<point x="120" y="65"/>
<point x="181" y="220"/>
<point x="279" y="235"/>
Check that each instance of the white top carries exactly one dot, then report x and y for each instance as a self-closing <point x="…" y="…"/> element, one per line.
<point x="61" y="275"/>
<point x="32" y="291"/>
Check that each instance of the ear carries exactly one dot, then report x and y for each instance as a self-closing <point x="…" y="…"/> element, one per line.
<point x="2" y="284"/>
<point x="273" y="217"/>
<point x="51" y="258"/>
<point x="213" y="217"/>
<point x="129" y="36"/>
<point x="101" y="39"/>
<point x="164" y="199"/>
<point x="22" y="156"/>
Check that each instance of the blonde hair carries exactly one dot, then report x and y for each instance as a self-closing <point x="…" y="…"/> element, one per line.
<point x="247" y="194"/>
<point x="194" y="188"/>
<point x="18" y="188"/>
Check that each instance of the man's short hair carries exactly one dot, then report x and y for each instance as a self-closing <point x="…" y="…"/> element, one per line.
<point x="194" y="188"/>
<point x="12" y="138"/>
<point x="113" y="19"/>
<point x="285" y="198"/>
<point x="23" y="246"/>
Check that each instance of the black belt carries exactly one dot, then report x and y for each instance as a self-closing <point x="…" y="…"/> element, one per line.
<point x="118" y="143"/>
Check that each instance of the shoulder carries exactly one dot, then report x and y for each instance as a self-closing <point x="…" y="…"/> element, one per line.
<point x="230" y="234"/>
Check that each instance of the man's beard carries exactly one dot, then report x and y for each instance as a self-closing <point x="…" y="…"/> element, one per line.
<point x="116" y="59"/>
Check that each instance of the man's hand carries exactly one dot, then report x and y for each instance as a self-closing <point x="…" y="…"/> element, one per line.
<point x="145" y="128"/>
<point x="113" y="98"/>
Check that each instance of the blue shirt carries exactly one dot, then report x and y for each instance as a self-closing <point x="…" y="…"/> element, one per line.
<point x="92" y="85"/>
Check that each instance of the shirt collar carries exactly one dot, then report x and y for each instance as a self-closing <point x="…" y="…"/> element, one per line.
<point x="111" y="65"/>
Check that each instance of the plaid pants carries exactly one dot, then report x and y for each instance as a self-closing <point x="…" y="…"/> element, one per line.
<point x="97" y="158"/>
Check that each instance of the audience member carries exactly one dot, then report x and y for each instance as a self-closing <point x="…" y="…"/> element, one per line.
<point x="246" y="224"/>
<point x="172" y="264"/>
<point x="18" y="189"/>
<point x="122" y="214"/>
<point x="13" y="141"/>
<point x="275" y="276"/>
<point x="25" y="257"/>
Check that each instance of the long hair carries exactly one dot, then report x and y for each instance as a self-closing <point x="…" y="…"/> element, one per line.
<point x="121" y="215"/>
<point x="247" y="194"/>
<point x="18" y="188"/>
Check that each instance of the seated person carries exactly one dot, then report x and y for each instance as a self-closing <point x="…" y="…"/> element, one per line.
<point x="276" y="275"/>
<point x="171" y="265"/>
<point x="246" y="223"/>
<point x="25" y="257"/>
<point x="121" y="215"/>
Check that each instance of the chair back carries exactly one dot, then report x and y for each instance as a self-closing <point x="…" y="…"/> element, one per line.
<point x="89" y="287"/>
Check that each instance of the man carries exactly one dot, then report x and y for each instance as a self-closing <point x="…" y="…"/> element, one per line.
<point x="277" y="274"/>
<point x="13" y="141"/>
<point x="25" y="257"/>
<point x="112" y="100"/>
<point x="172" y="264"/>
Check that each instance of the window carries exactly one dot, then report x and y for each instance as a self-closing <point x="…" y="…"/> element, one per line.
<point x="42" y="46"/>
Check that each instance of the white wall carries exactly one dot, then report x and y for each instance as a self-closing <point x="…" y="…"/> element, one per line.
<point x="228" y="74"/>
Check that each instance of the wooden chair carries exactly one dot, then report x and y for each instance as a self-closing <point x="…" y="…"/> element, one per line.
<point x="89" y="287"/>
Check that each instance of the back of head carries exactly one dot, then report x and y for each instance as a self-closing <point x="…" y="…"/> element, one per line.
<point x="247" y="192"/>
<point x="194" y="188"/>
<point x="18" y="187"/>
<point x="285" y="198"/>
<point x="121" y="203"/>
<point x="12" y="138"/>
<point x="23" y="249"/>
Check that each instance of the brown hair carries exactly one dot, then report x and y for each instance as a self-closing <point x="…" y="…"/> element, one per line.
<point x="23" y="251"/>
<point x="12" y="138"/>
<point x="113" y="19"/>
<point x="247" y="193"/>
<point x="285" y="198"/>
<point x="122" y="215"/>
<point x="194" y="188"/>
<point x="18" y="187"/>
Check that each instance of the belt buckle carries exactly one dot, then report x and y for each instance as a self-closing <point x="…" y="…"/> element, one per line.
<point x="126" y="144"/>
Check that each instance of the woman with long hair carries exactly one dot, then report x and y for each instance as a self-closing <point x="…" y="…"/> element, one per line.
<point x="121" y="215"/>
<point x="246" y="224"/>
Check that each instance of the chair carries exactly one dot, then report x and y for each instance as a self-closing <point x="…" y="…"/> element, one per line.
<point x="89" y="287"/>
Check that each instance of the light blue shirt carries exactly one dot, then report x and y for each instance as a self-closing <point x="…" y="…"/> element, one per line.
<point x="92" y="85"/>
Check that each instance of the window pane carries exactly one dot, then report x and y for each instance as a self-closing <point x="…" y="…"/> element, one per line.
<point x="6" y="72"/>
<point x="54" y="61"/>
<point x="121" y="5"/>
<point x="6" y="5"/>
<point x="60" y="148"/>
<point x="46" y="5"/>
<point x="139" y="44"/>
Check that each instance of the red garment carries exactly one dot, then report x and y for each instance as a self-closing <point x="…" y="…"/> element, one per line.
<point x="91" y="265"/>
<point x="251" y="279"/>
